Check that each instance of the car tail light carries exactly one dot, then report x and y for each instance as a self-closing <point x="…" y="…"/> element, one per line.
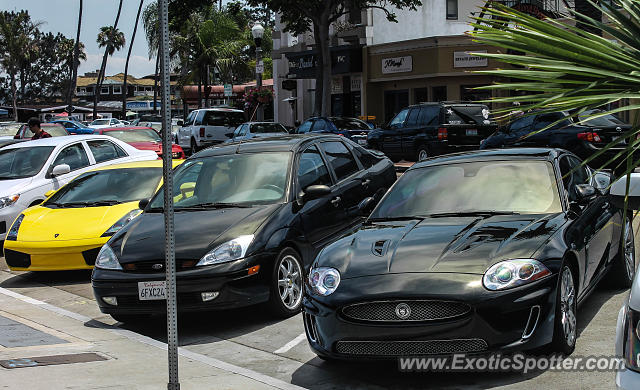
<point x="202" y="132"/>
<point x="341" y="134"/>
<point x="589" y="136"/>
<point x="442" y="134"/>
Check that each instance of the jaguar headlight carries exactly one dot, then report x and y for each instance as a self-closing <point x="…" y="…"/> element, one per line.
<point x="107" y="259"/>
<point x="231" y="250"/>
<point x="121" y="222"/>
<point x="324" y="280"/>
<point x="12" y="235"/>
<point x="7" y="201"/>
<point x="513" y="273"/>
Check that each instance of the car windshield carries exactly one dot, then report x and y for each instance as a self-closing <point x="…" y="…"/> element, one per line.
<point x="229" y="181"/>
<point x="603" y="121"/>
<point x="525" y="187"/>
<point x="103" y="188"/>
<point x="18" y="163"/>
<point x="135" y="135"/>
<point x="258" y="128"/>
<point x="100" y="122"/>
<point x="349" y="124"/>
<point x="54" y="129"/>
<point x="9" y="129"/>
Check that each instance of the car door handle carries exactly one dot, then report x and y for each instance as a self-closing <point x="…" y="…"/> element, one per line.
<point x="365" y="183"/>
<point x="336" y="201"/>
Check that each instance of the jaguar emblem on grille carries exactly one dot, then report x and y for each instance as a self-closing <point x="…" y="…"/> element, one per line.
<point x="403" y="311"/>
<point x="157" y="266"/>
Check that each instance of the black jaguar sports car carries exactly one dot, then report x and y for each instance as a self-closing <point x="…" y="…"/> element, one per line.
<point x="487" y="251"/>
<point x="250" y="217"/>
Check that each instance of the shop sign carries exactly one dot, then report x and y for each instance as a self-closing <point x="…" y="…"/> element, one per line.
<point x="463" y="59"/>
<point x="336" y="85"/>
<point x="397" y="64"/>
<point x="356" y="83"/>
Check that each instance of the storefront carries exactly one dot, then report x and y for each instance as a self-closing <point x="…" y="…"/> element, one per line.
<point x="423" y="70"/>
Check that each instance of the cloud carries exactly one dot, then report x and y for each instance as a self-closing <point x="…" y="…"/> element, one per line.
<point x="138" y="65"/>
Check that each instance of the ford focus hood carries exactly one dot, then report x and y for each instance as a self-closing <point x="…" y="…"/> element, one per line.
<point x="446" y="244"/>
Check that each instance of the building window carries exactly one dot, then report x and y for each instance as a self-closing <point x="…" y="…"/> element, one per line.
<point x="452" y="9"/>
<point x="104" y="90"/>
<point x="117" y="90"/>
<point x="90" y="89"/>
<point x="148" y="89"/>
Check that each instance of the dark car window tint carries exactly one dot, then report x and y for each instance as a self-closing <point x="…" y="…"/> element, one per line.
<point x="319" y="125"/>
<point x="103" y="150"/>
<point x="367" y="159"/>
<point x="429" y="116"/>
<point x="312" y="170"/>
<point x="571" y="177"/>
<point x="74" y="156"/>
<point x="340" y="159"/>
<point x="350" y="124"/>
<point x="398" y="120"/>
<point x="521" y="124"/>
<point x="412" y="119"/>
<point x="545" y="120"/>
<point x="263" y="128"/>
<point x="304" y="128"/>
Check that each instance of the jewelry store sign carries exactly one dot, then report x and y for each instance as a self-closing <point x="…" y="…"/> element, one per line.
<point x="397" y="64"/>
<point x="463" y="59"/>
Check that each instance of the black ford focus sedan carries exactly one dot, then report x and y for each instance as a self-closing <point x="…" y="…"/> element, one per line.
<point x="487" y="251"/>
<point x="249" y="218"/>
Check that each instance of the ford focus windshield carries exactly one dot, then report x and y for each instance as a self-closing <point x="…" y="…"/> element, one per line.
<point x="19" y="163"/>
<point x="522" y="187"/>
<point x="235" y="180"/>
<point x="104" y="188"/>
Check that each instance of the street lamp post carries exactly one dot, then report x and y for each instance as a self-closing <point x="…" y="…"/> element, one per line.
<point x="258" y="31"/>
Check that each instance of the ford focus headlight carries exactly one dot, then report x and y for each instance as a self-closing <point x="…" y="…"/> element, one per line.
<point x="12" y="235"/>
<point x="107" y="259"/>
<point x="631" y="340"/>
<point x="231" y="250"/>
<point x="121" y="222"/>
<point x="513" y="273"/>
<point x="7" y="201"/>
<point x="324" y="280"/>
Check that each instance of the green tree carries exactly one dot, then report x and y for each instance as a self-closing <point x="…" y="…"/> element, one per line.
<point x="75" y="62"/>
<point x="301" y="16"/>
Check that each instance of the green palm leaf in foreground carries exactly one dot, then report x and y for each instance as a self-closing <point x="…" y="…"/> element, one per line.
<point x="565" y="68"/>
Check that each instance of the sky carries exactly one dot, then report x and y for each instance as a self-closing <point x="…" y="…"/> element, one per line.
<point x="62" y="16"/>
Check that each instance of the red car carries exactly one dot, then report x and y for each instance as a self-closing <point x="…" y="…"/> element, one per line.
<point x="143" y="138"/>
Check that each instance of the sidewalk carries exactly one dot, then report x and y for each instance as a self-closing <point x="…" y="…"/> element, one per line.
<point x="121" y="359"/>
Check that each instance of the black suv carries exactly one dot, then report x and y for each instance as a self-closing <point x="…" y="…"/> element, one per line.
<point x="583" y="139"/>
<point x="431" y="129"/>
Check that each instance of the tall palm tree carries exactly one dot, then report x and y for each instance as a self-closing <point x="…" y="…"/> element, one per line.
<point x="150" y="21"/>
<point x="76" y="63"/>
<point x="111" y="39"/>
<point x="126" y="66"/>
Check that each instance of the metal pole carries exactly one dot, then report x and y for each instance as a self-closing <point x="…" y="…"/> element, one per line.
<point x="169" y="248"/>
<point x="259" y="82"/>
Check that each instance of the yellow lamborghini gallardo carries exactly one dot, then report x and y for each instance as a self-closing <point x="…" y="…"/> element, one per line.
<point x="68" y="229"/>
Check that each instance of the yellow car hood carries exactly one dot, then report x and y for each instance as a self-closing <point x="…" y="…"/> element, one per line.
<point x="43" y="223"/>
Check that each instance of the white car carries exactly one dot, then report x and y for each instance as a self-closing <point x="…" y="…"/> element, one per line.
<point x="106" y="122"/>
<point x="208" y="127"/>
<point x="28" y="170"/>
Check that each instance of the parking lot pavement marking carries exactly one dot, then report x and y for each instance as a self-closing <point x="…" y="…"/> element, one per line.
<point x="292" y="343"/>
<point x="274" y="382"/>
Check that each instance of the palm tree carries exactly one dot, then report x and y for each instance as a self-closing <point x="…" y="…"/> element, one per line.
<point x="111" y="39"/>
<point x="75" y="64"/>
<point x="126" y="66"/>
<point x="150" y="20"/>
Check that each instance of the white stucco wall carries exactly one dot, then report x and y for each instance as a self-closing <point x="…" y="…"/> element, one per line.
<point x="427" y="21"/>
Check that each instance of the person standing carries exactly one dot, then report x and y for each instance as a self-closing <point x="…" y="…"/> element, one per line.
<point x="34" y="126"/>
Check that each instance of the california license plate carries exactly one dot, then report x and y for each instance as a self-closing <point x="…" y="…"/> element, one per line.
<point x="614" y="138"/>
<point x="151" y="291"/>
<point x="472" y="131"/>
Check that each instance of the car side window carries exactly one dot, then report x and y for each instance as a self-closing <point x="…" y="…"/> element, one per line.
<point x="398" y="120"/>
<point x="521" y="124"/>
<point x="429" y="116"/>
<point x="412" y="118"/>
<point x="199" y="118"/>
<point x="319" y="125"/>
<point x="304" y="128"/>
<point x="244" y="129"/>
<point x="545" y="120"/>
<point x="581" y="173"/>
<point x="572" y="174"/>
<point x="238" y="131"/>
<point x="103" y="150"/>
<point x="74" y="156"/>
<point x="312" y="169"/>
<point x="340" y="159"/>
<point x="190" y="118"/>
<point x="367" y="159"/>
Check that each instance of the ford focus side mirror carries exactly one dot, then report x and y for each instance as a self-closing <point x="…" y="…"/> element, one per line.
<point x="61" y="169"/>
<point x="315" y="192"/>
<point x="618" y="192"/>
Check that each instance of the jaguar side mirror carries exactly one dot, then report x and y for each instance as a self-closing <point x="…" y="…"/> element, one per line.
<point x="584" y="193"/>
<point x="602" y="181"/>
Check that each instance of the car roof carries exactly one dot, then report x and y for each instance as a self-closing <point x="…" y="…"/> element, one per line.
<point x="55" y="141"/>
<point x="137" y="164"/>
<point x="491" y="154"/>
<point x="221" y="109"/>
<point x="267" y="144"/>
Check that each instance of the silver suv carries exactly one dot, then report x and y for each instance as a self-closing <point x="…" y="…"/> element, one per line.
<point x="210" y="126"/>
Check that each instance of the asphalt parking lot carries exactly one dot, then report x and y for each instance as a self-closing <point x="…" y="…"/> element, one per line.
<point x="252" y="339"/>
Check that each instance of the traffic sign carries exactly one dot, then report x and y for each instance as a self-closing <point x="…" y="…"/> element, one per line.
<point x="228" y="90"/>
<point x="260" y="67"/>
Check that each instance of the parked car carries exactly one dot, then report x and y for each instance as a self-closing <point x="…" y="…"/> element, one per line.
<point x="583" y="139"/>
<point x="74" y="127"/>
<point x="28" y="170"/>
<point x="9" y="129"/>
<point x="106" y="122"/>
<point x="54" y="129"/>
<point x="208" y="127"/>
<point x="251" y="130"/>
<point x="352" y="128"/>
<point x="68" y="229"/>
<point x="477" y="252"/>
<point x="9" y="141"/>
<point x="249" y="219"/>
<point x="143" y="138"/>
<point x="432" y="129"/>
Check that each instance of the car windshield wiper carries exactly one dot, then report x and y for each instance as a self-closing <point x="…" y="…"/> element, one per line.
<point x="214" y="205"/>
<point x="87" y="204"/>
<point x="472" y="213"/>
